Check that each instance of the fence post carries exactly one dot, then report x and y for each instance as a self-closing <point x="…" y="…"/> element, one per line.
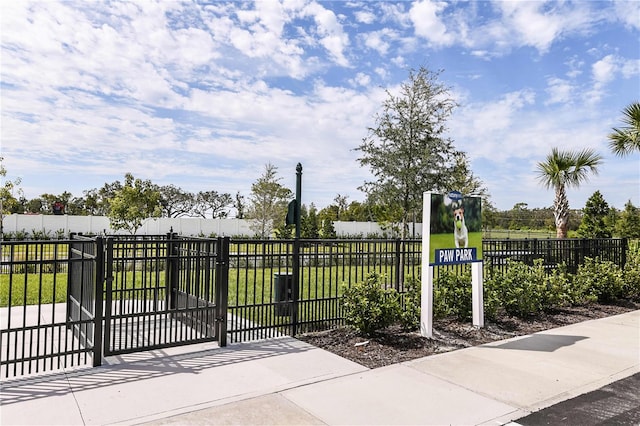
<point x="625" y="247"/>
<point x="98" y="299"/>
<point x="172" y="271"/>
<point x="222" y="289"/>
<point x="399" y="264"/>
<point x="108" y="286"/>
<point x="296" y="285"/>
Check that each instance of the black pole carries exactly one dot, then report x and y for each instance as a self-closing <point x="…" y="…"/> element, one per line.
<point x="298" y="197"/>
<point x="296" y="253"/>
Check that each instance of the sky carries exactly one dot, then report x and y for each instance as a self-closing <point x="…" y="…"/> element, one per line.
<point x="203" y="95"/>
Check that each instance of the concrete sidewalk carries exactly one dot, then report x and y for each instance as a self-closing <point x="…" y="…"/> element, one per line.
<point x="285" y="381"/>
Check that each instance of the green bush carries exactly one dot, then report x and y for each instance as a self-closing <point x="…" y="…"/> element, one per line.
<point x="521" y="288"/>
<point x="490" y="295"/>
<point x="562" y="289"/>
<point x="368" y="307"/>
<point x="410" y="315"/>
<point x="631" y="274"/>
<point x="602" y="280"/>
<point x="452" y="295"/>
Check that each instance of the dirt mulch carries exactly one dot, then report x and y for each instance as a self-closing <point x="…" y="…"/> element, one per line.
<point x="394" y="345"/>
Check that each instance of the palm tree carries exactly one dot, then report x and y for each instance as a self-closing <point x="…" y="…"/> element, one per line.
<point x="625" y="140"/>
<point x="562" y="169"/>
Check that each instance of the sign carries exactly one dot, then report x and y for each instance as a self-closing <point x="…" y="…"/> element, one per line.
<point x="452" y="234"/>
<point x="453" y="256"/>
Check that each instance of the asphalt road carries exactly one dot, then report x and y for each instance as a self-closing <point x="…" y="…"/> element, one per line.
<point x="615" y="404"/>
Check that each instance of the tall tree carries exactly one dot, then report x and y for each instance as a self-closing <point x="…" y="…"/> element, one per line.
<point x="341" y="204"/>
<point x="8" y="202"/>
<point x="406" y="150"/>
<point x="175" y="201"/>
<point x="136" y="201"/>
<point x="594" y="218"/>
<point x="563" y="169"/>
<point x="268" y="202"/>
<point x="239" y="205"/>
<point x="628" y="225"/>
<point x="212" y="203"/>
<point x="625" y="140"/>
<point x="309" y="223"/>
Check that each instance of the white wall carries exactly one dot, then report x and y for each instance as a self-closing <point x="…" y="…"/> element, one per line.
<point x="183" y="226"/>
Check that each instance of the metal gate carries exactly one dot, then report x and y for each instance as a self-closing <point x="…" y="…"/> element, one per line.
<point x="164" y="291"/>
<point x="84" y="300"/>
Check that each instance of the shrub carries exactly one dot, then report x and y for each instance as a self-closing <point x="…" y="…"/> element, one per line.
<point x="368" y="307"/>
<point x="562" y="290"/>
<point x="631" y="274"/>
<point x="603" y="280"/>
<point x="452" y="295"/>
<point x="410" y="315"/>
<point x="521" y="288"/>
<point x="490" y="296"/>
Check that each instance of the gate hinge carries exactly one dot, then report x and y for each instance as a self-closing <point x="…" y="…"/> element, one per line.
<point x="220" y="319"/>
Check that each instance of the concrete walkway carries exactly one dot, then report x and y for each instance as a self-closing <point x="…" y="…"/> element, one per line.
<point x="285" y="381"/>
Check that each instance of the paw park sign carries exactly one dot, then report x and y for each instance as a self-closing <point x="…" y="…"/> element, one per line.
<point x="453" y="236"/>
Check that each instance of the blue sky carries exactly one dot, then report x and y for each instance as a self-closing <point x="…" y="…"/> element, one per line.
<point x="203" y="95"/>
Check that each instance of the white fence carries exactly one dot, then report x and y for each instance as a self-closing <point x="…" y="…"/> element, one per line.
<point x="53" y="225"/>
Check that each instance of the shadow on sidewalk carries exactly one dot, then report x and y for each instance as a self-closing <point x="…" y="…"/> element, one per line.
<point x="142" y="366"/>
<point x="540" y="343"/>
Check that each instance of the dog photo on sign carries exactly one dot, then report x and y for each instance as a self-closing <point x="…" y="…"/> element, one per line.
<point x="460" y="232"/>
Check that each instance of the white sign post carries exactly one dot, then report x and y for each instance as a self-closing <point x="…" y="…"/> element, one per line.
<point x="477" y="294"/>
<point x="426" y="294"/>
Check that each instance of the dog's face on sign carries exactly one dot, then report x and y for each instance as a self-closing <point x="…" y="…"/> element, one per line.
<point x="458" y="216"/>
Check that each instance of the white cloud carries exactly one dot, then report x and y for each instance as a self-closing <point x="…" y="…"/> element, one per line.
<point x="628" y="12"/>
<point x="332" y="36"/>
<point x="606" y="70"/>
<point x="379" y="40"/>
<point x="361" y="79"/>
<point x="559" y="91"/>
<point x="539" y="24"/>
<point x="427" y="24"/>
<point x="365" y="16"/>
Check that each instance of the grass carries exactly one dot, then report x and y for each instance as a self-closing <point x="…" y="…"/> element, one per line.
<point x="32" y="289"/>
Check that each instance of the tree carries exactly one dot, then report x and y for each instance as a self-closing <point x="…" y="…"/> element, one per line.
<point x="98" y="201"/>
<point x="628" y="225"/>
<point x="212" y="202"/>
<point x="136" y="201"/>
<point x="341" y="204"/>
<point x="239" y="205"/>
<point x="175" y="201"/>
<point x="594" y="218"/>
<point x="625" y="140"/>
<point x="462" y="178"/>
<point x="563" y="169"/>
<point x="8" y="202"/>
<point x="309" y="223"/>
<point x="328" y="230"/>
<point x="268" y="202"/>
<point x="406" y="150"/>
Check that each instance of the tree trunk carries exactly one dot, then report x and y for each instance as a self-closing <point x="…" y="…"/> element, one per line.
<point x="561" y="212"/>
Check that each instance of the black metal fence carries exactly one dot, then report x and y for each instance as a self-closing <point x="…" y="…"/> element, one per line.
<point x="70" y="302"/>
<point x="286" y="287"/>
<point x="553" y="252"/>
<point x="160" y="291"/>
<point x="39" y="330"/>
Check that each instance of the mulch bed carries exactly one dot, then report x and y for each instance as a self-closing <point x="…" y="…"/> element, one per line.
<point x="394" y="345"/>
